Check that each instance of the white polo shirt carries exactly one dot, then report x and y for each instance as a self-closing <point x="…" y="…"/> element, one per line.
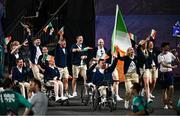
<point x="167" y="58"/>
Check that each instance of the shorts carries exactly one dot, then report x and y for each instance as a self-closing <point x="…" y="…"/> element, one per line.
<point x="64" y="73"/>
<point x="79" y="69"/>
<point x="115" y="75"/>
<point x="166" y="79"/>
<point x="145" y="73"/>
<point x="153" y="73"/>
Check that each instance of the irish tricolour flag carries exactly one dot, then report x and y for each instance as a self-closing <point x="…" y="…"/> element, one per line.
<point x="7" y="40"/>
<point x="121" y="39"/>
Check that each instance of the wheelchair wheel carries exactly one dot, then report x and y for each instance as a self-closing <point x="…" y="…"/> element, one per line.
<point x="95" y="101"/>
<point x="110" y="105"/>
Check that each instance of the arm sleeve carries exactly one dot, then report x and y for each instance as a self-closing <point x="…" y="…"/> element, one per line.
<point x="173" y="57"/>
<point x="113" y="66"/>
<point x="23" y="101"/>
<point x="160" y="59"/>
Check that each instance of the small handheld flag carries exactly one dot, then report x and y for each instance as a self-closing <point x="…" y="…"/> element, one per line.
<point x="7" y="40"/>
<point x="46" y="28"/>
<point x="87" y="48"/>
<point x="153" y="33"/>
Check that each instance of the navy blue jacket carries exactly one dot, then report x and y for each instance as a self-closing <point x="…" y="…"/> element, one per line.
<point x="127" y="61"/>
<point x="33" y="49"/>
<point x="60" y="57"/>
<point x="100" y="79"/>
<point x="76" y="56"/>
<point x="50" y="73"/>
<point x="17" y="75"/>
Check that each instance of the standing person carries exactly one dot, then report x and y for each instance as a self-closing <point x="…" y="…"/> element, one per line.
<point x="61" y="54"/>
<point x="36" y="52"/>
<point x="165" y="59"/>
<point x="131" y="71"/>
<point x="100" y="51"/>
<point x="143" y="55"/>
<point x="11" y="101"/>
<point x="153" y="63"/>
<point x="34" y="47"/>
<point x="39" y="100"/>
<point x="78" y="62"/>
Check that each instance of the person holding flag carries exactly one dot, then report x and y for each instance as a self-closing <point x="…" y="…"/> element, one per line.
<point x="131" y="72"/>
<point x="61" y="54"/>
<point x="120" y="39"/>
<point x="79" y="57"/>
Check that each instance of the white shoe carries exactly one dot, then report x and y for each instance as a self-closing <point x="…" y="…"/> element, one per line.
<point x="126" y="104"/>
<point x="166" y="107"/>
<point x="149" y="100"/>
<point x="74" y="94"/>
<point x="119" y="98"/>
<point x="152" y="96"/>
<point x="142" y="92"/>
<point x="63" y="98"/>
<point x="57" y="98"/>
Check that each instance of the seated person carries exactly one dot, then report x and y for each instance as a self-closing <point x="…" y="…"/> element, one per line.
<point x="20" y="75"/>
<point x="103" y="74"/>
<point x="42" y="63"/>
<point x="53" y="76"/>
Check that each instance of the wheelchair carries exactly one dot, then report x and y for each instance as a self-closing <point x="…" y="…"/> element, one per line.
<point x="109" y="100"/>
<point x="49" y="91"/>
<point x="87" y="92"/>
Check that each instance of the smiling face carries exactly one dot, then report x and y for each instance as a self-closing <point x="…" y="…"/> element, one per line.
<point x="79" y="39"/>
<point x="130" y="51"/>
<point x="37" y="42"/>
<point x="150" y="45"/>
<point x="101" y="43"/>
<point x="45" y="50"/>
<point x="20" y="63"/>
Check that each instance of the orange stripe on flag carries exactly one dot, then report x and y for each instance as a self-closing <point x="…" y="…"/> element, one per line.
<point x="120" y="66"/>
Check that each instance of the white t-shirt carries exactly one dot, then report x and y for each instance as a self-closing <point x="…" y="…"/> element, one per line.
<point x="167" y="58"/>
<point x="132" y="67"/>
<point x="101" y="53"/>
<point x="38" y="53"/>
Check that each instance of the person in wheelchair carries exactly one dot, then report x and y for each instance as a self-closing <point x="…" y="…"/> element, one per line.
<point x="20" y="76"/>
<point x="103" y="77"/>
<point x="53" y="77"/>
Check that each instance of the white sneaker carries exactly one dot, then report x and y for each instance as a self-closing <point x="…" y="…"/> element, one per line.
<point x="152" y="96"/>
<point x="119" y="98"/>
<point x="74" y="94"/>
<point x="126" y="104"/>
<point x="166" y="107"/>
<point x="149" y="100"/>
<point x="63" y="98"/>
<point x="142" y="92"/>
<point x="57" y="98"/>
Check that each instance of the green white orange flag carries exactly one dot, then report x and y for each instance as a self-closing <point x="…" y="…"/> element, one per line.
<point x="120" y="41"/>
<point x="132" y="36"/>
<point x="153" y="33"/>
<point x="46" y="28"/>
<point x="7" y="40"/>
<point x="49" y="58"/>
<point x="120" y="36"/>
